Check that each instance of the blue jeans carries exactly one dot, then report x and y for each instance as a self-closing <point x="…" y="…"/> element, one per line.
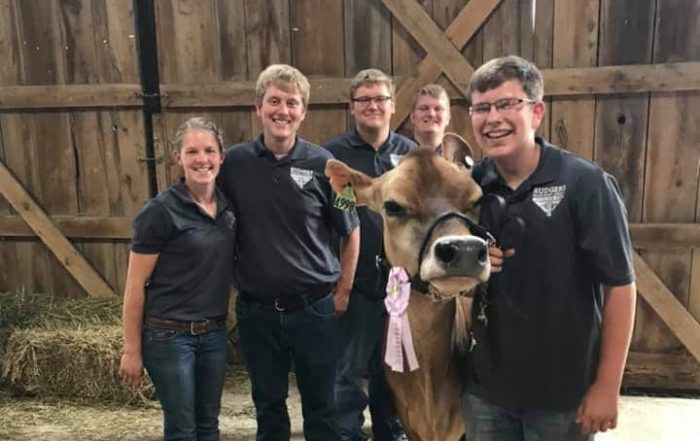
<point x="188" y="374"/>
<point x="361" y="342"/>
<point x="488" y="422"/>
<point x="270" y="341"/>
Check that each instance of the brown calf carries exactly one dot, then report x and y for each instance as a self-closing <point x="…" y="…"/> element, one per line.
<point x="413" y="199"/>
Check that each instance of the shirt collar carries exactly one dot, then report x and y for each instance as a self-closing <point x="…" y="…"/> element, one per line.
<point x="546" y="171"/>
<point x="179" y="190"/>
<point x="298" y="151"/>
<point x="355" y="140"/>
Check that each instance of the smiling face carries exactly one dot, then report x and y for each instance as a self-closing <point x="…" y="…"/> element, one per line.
<point x="509" y="132"/>
<point x="372" y="116"/>
<point x="430" y="116"/>
<point x="200" y="157"/>
<point x="281" y="112"/>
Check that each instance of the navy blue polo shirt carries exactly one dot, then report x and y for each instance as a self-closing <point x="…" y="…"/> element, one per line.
<point x="192" y="277"/>
<point x="539" y="347"/>
<point x="351" y="149"/>
<point x="285" y="219"/>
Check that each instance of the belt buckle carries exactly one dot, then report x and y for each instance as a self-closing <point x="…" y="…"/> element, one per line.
<point x="278" y="307"/>
<point x="195" y="325"/>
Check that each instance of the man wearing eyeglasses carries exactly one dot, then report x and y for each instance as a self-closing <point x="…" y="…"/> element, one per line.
<point x="552" y="332"/>
<point x="371" y="147"/>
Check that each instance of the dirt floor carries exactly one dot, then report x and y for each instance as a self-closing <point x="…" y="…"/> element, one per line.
<point x="641" y="419"/>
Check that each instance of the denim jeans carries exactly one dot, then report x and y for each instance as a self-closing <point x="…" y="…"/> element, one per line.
<point x="361" y="342"/>
<point x="270" y="342"/>
<point x="188" y="374"/>
<point x="488" y="422"/>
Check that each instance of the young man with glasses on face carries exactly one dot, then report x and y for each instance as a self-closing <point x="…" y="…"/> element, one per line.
<point x="551" y="335"/>
<point x="371" y="147"/>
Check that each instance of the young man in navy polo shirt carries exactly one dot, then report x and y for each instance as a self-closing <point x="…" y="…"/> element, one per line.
<point x="289" y="279"/>
<point x="552" y="333"/>
<point x="371" y="147"/>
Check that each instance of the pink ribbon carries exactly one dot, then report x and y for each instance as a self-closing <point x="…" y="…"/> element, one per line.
<point x="399" y="339"/>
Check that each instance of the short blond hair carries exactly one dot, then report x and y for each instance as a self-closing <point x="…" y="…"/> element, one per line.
<point x="285" y="77"/>
<point x="371" y="76"/>
<point x="433" y="90"/>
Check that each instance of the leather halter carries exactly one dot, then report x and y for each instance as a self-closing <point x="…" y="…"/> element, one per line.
<point x="417" y="282"/>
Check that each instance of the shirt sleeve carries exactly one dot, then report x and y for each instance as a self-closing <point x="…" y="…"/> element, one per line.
<point x="152" y="229"/>
<point x="604" y="230"/>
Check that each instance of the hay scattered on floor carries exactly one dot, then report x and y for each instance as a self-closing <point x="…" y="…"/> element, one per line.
<point x="77" y="362"/>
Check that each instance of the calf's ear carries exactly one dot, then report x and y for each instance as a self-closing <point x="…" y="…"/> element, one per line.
<point x="341" y="175"/>
<point x="458" y="150"/>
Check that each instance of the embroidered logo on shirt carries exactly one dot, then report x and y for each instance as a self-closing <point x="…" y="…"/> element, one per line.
<point x="395" y="159"/>
<point x="548" y="198"/>
<point x="301" y="176"/>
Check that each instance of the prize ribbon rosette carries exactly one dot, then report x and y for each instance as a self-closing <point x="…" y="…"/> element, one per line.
<point x="399" y="339"/>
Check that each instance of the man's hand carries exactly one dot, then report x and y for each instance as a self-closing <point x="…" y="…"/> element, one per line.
<point x="497" y="256"/>
<point x="131" y="368"/>
<point x="598" y="409"/>
<point x="341" y="298"/>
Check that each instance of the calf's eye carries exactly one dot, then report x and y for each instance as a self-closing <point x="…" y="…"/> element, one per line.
<point x="391" y="208"/>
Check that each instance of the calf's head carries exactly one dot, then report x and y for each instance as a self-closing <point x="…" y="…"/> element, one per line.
<point x="423" y="202"/>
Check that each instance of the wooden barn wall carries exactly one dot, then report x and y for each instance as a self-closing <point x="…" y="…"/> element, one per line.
<point x="78" y="162"/>
<point x="90" y="162"/>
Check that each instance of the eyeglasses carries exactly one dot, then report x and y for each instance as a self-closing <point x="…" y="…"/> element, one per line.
<point x="501" y="106"/>
<point x="379" y="100"/>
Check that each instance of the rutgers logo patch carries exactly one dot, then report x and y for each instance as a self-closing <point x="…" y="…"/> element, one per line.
<point x="301" y="176"/>
<point x="548" y="198"/>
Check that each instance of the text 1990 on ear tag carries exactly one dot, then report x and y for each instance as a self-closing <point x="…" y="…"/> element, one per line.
<point x="345" y="200"/>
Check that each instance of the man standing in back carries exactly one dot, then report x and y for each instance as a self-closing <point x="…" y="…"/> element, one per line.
<point x="371" y="147"/>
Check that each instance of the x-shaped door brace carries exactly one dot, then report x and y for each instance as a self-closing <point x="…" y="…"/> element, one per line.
<point x="444" y="56"/>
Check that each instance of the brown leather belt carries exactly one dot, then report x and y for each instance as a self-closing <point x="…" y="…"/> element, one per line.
<point x="194" y="328"/>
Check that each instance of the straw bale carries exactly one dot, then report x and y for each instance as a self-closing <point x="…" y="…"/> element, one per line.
<point x="70" y="361"/>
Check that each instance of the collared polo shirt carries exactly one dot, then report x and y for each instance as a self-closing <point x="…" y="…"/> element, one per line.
<point x="539" y="347"/>
<point x="351" y="149"/>
<point x="192" y="277"/>
<point x="285" y="219"/>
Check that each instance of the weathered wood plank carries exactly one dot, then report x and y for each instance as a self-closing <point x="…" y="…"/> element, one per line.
<point x="82" y="226"/>
<point x="669" y="309"/>
<point x="9" y="71"/>
<point x="86" y="36"/>
<point x="64" y="251"/>
<point x="662" y="371"/>
<point x="621" y="122"/>
<point x="367" y="36"/>
<point x="421" y="27"/>
<point x="665" y="235"/>
<point x="671" y="179"/>
<point x="70" y="96"/>
<point x="660" y="77"/>
<point x="575" y="44"/>
<point x="268" y="35"/>
<point x="462" y="28"/>
<point x="44" y="60"/>
<point x="317" y="51"/>
<point x="406" y="53"/>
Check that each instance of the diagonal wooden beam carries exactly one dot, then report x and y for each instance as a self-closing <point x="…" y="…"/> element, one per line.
<point x="421" y="26"/>
<point x="65" y="252"/>
<point x="459" y="32"/>
<point x="666" y="305"/>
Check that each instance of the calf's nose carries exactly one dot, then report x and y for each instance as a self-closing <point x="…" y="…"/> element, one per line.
<point x="465" y="256"/>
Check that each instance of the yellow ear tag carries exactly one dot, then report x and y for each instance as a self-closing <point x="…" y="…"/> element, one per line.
<point x="345" y="200"/>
